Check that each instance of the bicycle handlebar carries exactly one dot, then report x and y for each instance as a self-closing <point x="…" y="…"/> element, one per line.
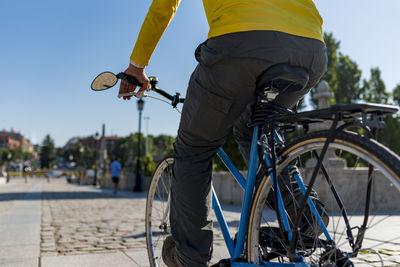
<point x="153" y="82"/>
<point x="129" y="79"/>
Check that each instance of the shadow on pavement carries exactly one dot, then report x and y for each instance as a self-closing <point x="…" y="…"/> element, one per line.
<point x="60" y="195"/>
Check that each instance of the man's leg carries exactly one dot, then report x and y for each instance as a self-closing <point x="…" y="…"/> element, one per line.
<point x="209" y="112"/>
<point x="316" y="66"/>
<point x="115" y="182"/>
<point x="219" y="90"/>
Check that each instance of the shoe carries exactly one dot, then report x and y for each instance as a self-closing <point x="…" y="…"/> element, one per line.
<point x="169" y="253"/>
<point x="222" y="263"/>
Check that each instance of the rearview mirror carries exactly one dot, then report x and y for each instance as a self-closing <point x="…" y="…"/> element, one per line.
<point x="104" y="81"/>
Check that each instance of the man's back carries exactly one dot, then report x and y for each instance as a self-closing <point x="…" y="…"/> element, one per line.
<point x="296" y="17"/>
<point x="115" y="168"/>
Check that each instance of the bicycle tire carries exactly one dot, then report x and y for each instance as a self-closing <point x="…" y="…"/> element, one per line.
<point x="157" y="224"/>
<point x="365" y="151"/>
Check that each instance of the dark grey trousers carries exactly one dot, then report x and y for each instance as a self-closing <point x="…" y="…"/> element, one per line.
<point x="220" y="89"/>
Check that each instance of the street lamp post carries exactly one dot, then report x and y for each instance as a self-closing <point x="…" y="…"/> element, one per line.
<point x="9" y="156"/>
<point x="81" y="162"/>
<point x="147" y="134"/>
<point x="138" y="183"/>
<point x="96" y="138"/>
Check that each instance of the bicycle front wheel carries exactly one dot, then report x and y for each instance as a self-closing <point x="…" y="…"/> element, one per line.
<point x="157" y="211"/>
<point x="340" y="196"/>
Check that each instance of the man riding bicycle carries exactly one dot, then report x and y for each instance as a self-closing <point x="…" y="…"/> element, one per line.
<point x="245" y="39"/>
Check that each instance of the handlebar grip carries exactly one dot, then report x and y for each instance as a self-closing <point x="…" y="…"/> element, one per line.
<point x="129" y="79"/>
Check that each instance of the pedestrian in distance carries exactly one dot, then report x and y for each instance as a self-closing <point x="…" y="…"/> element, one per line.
<point x="115" y="168"/>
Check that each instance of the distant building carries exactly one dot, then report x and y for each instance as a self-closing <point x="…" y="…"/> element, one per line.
<point x="71" y="143"/>
<point x="92" y="142"/>
<point x="12" y="140"/>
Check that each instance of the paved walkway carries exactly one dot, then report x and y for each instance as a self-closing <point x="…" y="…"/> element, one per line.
<point x="20" y="219"/>
<point x="58" y="224"/>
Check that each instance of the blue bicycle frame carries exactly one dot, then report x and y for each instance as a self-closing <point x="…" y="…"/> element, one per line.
<point x="248" y="184"/>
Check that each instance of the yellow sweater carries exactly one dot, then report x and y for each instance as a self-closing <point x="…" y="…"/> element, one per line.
<point x="297" y="17"/>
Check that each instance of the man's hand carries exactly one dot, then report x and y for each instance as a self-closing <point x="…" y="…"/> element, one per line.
<point x="139" y="74"/>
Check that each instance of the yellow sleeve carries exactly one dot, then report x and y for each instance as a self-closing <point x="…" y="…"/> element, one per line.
<point x="157" y="19"/>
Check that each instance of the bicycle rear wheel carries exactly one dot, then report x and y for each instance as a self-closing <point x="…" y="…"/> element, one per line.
<point x="157" y="211"/>
<point x="353" y="160"/>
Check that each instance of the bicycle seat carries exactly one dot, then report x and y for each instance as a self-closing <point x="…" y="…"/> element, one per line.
<point x="284" y="84"/>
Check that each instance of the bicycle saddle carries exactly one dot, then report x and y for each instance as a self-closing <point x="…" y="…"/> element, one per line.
<point x="284" y="84"/>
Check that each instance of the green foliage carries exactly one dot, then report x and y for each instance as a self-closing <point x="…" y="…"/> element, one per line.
<point x="169" y="151"/>
<point x="343" y="74"/>
<point x="148" y="165"/>
<point x="390" y="135"/>
<point x="332" y="48"/>
<point x="89" y="156"/>
<point x="82" y="155"/>
<point x="348" y="77"/>
<point x="232" y="149"/>
<point x="128" y="146"/>
<point x="13" y="154"/>
<point x="396" y="95"/>
<point x="47" y="152"/>
<point x="164" y="144"/>
<point x="374" y="90"/>
<point x="344" y="79"/>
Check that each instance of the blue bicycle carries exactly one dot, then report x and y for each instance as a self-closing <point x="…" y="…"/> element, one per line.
<point x="321" y="198"/>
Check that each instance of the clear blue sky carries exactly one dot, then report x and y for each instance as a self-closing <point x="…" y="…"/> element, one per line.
<point x="51" y="50"/>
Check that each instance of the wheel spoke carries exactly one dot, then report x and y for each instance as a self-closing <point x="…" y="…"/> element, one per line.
<point x="350" y="182"/>
<point x="158" y="216"/>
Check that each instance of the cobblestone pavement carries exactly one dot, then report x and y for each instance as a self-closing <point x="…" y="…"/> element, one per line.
<point x="82" y="220"/>
<point x="77" y="220"/>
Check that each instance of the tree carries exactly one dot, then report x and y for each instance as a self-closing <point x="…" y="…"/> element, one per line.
<point x="348" y="77"/>
<point x="164" y="144"/>
<point x="47" y="152"/>
<point x="125" y="145"/>
<point x="343" y="74"/>
<point x="148" y="165"/>
<point x="332" y="48"/>
<point x="7" y="155"/>
<point x="374" y="90"/>
<point x="389" y="136"/>
<point x="396" y="95"/>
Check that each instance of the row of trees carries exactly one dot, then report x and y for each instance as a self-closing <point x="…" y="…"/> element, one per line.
<point x="344" y="78"/>
<point x="157" y="147"/>
<point x="125" y="148"/>
<point x="7" y="155"/>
